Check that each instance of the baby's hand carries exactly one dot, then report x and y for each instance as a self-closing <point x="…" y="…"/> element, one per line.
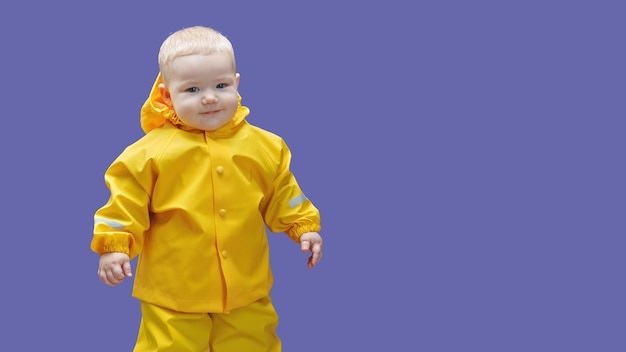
<point x="114" y="267"/>
<point x="312" y="241"/>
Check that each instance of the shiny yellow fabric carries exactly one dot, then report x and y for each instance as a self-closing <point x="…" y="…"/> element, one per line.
<point x="193" y="205"/>
<point x="251" y="329"/>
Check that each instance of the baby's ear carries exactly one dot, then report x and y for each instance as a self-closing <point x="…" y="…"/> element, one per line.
<point x="165" y="94"/>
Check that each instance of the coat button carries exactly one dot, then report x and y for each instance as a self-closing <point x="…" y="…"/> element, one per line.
<point x="225" y="253"/>
<point x="220" y="170"/>
<point x="222" y="212"/>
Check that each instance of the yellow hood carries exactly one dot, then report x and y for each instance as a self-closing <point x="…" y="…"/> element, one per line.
<point x="155" y="112"/>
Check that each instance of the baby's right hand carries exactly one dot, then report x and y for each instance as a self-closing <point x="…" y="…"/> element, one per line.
<point x="114" y="267"/>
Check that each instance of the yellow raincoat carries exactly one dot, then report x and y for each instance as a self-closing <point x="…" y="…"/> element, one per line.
<point x="193" y="204"/>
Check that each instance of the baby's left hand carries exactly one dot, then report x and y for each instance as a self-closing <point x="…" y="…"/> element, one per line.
<point x="312" y="241"/>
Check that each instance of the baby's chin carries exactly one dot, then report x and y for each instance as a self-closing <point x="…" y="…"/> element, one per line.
<point x="208" y="123"/>
<point x="211" y="127"/>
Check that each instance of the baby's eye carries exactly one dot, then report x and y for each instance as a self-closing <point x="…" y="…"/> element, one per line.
<point x="221" y="85"/>
<point x="192" y="90"/>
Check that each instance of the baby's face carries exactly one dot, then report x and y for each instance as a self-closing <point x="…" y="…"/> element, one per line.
<point x="202" y="89"/>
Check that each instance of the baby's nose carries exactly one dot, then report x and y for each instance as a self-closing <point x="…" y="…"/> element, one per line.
<point x="208" y="98"/>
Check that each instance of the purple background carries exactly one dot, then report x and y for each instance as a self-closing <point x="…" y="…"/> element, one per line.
<point x="467" y="157"/>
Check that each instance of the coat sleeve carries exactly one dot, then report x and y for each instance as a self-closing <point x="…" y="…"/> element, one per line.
<point x="120" y="225"/>
<point x="287" y="208"/>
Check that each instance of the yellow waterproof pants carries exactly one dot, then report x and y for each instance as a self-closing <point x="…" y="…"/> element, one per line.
<point x="250" y="329"/>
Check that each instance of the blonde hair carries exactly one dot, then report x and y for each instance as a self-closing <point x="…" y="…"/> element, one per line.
<point x="191" y="41"/>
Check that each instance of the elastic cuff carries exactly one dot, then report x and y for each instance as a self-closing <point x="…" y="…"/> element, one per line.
<point x="297" y="230"/>
<point x="111" y="243"/>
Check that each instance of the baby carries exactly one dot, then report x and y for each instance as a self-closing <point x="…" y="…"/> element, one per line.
<point x="191" y="199"/>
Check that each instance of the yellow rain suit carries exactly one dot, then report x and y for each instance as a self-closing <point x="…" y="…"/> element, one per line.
<point x="193" y="206"/>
